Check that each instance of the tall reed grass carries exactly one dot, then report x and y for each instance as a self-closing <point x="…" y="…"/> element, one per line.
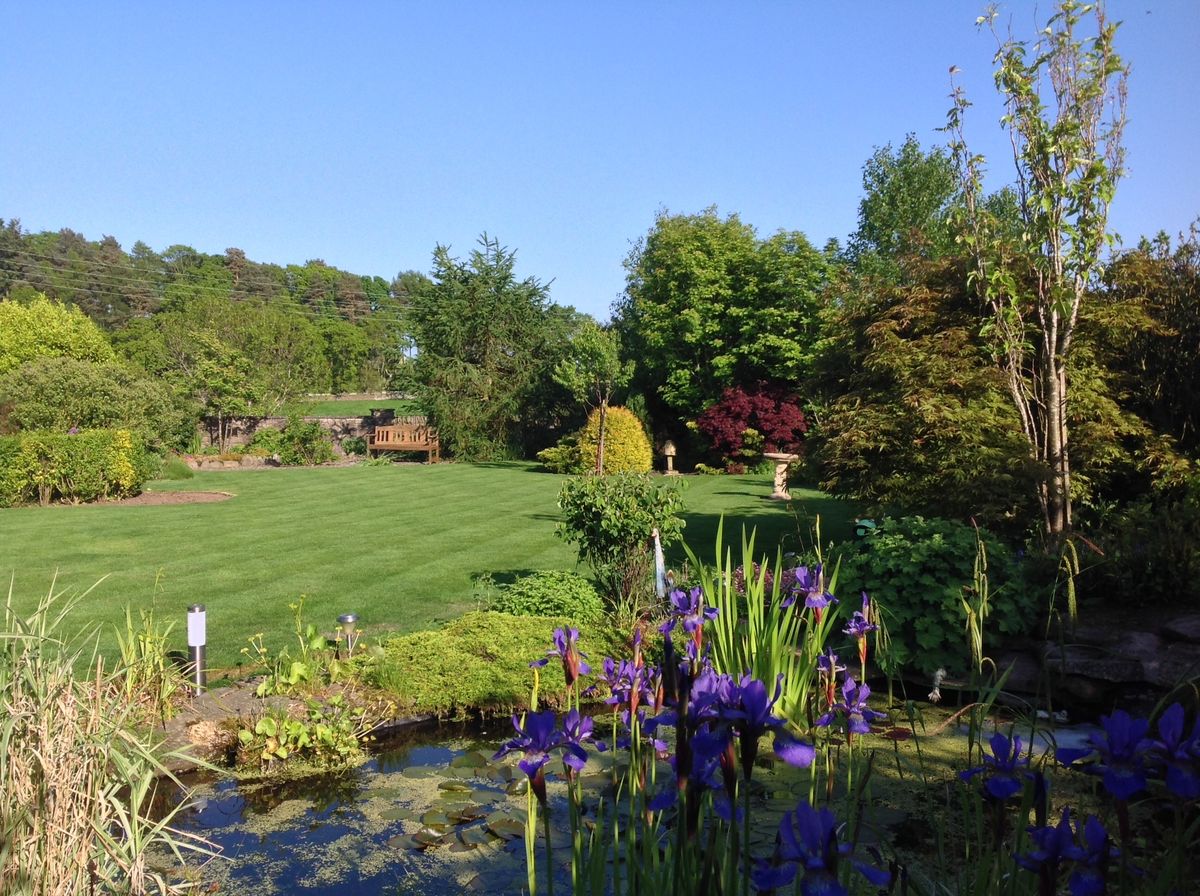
<point x="76" y="780"/>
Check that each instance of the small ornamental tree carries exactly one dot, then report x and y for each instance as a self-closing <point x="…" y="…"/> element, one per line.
<point x="764" y="417"/>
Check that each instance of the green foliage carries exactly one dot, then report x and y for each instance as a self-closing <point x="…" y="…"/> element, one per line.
<point x="149" y="679"/>
<point x="709" y="305"/>
<point x="918" y="572"/>
<point x="46" y="329"/>
<point x="58" y="393"/>
<point x="328" y="735"/>
<point x="917" y="419"/>
<point x="1150" y="551"/>
<point x="550" y="592"/>
<point x="175" y="468"/>
<point x="356" y="446"/>
<point x="565" y="457"/>
<point x="478" y="663"/>
<point x="626" y="445"/>
<point x="1065" y="113"/>
<point x="86" y="466"/>
<point x="612" y="520"/>
<point x="314" y="663"/>
<point x="299" y="443"/>
<point x="483" y="340"/>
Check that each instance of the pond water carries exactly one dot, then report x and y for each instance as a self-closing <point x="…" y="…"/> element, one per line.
<point x="419" y="817"/>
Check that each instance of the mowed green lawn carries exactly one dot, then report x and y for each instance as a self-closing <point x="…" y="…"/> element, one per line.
<point x="400" y="545"/>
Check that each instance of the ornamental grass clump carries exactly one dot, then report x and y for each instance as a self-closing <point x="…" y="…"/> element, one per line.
<point x="76" y="781"/>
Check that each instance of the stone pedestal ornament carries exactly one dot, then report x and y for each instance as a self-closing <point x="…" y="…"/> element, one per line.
<point x="782" y="461"/>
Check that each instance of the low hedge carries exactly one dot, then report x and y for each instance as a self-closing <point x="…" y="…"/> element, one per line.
<point x="89" y="465"/>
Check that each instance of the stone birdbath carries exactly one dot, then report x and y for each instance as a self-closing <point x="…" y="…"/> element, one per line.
<point x="782" y="461"/>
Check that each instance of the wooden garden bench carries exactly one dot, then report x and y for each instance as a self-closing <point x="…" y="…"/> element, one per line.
<point x="404" y="437"/>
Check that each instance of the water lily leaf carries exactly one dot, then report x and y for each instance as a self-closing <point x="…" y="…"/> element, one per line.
<point x="476" y="836"/>
<point x="467" y="813"/>
<point x="404" y="841"/>
<point x="461" y="774"/>
<point x="459" y="846"/>
<point x="436" y="818"/>
<point x="397" y="813"/>
<point x="428" y="837"/>
<point x="456" y="786"/>
<point x="517" y="787"/>
<point x="474" y="759"/>
<point x="506" y="828"/>
<point x="419" y="771"/>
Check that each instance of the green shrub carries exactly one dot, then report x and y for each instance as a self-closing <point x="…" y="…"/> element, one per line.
<point x="1150" y="551"/>
<point x="626" y="445"/>
<point x="563" y="457"/>
<point x="354" y="445"/>
<point x="57" y="394"/>
<point x="73" y="467"/>
<point x="612" y="520"/>
<point x="550" y="592"/>
<point x="917" y="571"/>
<point x="299" y="443"/>
<point x="477" y="664"/>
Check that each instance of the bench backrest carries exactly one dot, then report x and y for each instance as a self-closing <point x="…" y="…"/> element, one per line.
<point x="416" y="435"/>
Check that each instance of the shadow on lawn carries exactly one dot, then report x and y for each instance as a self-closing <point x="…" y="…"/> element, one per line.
<point x="788" y="526"/>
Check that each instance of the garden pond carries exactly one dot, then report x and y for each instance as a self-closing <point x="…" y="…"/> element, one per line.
<point x="432" y="812"/>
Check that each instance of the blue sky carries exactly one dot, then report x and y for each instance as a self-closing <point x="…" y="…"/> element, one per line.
<point x="366" y="133"/>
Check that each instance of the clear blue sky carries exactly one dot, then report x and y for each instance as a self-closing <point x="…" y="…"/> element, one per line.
<point x="366" y="133"/>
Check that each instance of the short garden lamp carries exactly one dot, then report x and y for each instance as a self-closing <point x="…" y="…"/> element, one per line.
<point x="668" y="451"/>
<point x="197" y="635"/>
<point x="347" y="621"/>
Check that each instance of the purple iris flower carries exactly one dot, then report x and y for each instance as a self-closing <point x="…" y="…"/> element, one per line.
<point x="537" y="738"/>
<point x="1180" y="755"/>
<point x="1090" y="875"/>
<point x="688" y="608"/>
<point x="628" y="684"/>
<point x="566" y="648"/>
<point x="1004" y="767"/>
<point x="809" y="583"/>
<point x="1121" y="747"/>
<point x="853" y="707"/>
<point x="752" y="717"/>
<point x="577" y="730"/>
<point x="808" y="840"/>
<point x="1052" y="845"/>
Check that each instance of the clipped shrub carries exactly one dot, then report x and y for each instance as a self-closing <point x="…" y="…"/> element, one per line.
<point x="477" y="664"/>
<point x="550" y="592"/>
<point x="564" y="457"/>
<point x="612" y="519"/>
<point x="917" y="571"/>
<point x="74" y="467"/>
<point x="626" y="445"/>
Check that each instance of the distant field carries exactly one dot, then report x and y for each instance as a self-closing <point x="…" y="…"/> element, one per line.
<point x="400" y="545"/>
<point x="336" y="408"/>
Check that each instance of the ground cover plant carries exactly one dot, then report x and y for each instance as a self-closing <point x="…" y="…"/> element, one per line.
<point x="400" y="545"/>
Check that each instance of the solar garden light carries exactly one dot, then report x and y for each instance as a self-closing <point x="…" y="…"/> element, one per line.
<point x="347" y="621"/>
<point x="197" y="624"/>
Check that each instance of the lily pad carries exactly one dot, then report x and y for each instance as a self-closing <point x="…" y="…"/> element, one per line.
<point x="399" y="813"/>
<point x="474" y="759"/>
<point x="505" y="827"/>
<point x="428" y="837"/>
<point x="419" y="771"/>
<point x="467" y="813"/>
<point x="436" y="818"/>
<point x="455" y="786"/>
<point x="517" y="787"/>
<point x="477" y="836"/>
